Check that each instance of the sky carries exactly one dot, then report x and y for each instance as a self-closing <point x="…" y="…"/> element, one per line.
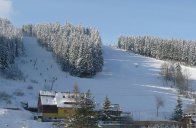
<point x="162" y="18"/>
<point x="5" y="8"/>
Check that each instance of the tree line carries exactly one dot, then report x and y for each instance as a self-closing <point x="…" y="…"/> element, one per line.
<point x="11" y="44"/>
<point x="165" y="49"/>
<point x="77" y="49"/>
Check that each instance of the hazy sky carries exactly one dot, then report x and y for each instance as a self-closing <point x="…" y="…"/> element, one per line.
<point x="5" y="8"/>
<point x="163" y="18"/>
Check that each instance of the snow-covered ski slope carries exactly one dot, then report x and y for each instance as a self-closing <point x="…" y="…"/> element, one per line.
<point x="127" y="79"/>
<point x="19" y="119"/>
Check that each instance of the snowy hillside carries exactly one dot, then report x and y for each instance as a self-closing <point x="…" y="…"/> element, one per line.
<point x="127" y="79"/>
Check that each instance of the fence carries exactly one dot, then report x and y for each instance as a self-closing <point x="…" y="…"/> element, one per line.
<point x="150" y="115"/>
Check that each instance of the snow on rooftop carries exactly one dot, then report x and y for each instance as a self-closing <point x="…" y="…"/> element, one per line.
<point x="47" y="93"/>
<point x="47" y="100"/>
<point x="61" y="99"/>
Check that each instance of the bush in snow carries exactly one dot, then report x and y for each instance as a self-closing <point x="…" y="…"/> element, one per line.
<point x="13" y="72"/>
<point x="34" y="81"/>
<point x="30" y="87"/>
<point x="5" y="97"/>
<point x="60" y="124"/>
<point x="18" y="92"/>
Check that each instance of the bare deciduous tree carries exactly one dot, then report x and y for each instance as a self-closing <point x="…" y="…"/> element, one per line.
<point x="171" y="72"/>
<point x="76" y="89"/>
<point x="187" y="76"/>
<point x="190" y="108"/>
<point x="167" y="72"/>
<point x="159" y="103"/>
<point x="179" y="79"/>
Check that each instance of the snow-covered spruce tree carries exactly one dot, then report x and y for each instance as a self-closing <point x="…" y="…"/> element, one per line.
<point x="11" y="44"/>
<point x="73" y="57"/>
<point x="106" y="109"/>
<point x="77" y="49"/>
<point x="27" y="30"/>
<point x="91" y="65"/>
<point x="3" y="57"/>
<point x="97" y="50"/>
<point x="165" y="49"/>
<point x="177" y="115"/>
<point x="85" y="115"/>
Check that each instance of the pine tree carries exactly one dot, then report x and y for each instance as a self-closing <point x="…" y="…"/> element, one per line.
<point x="85" y="115"/>
<point x="73" y="56"/>
<point x="10" y="43"/>
<point x="77" y="49"/>
<point x="81" y="61"/>
<point x="167" y="49"/>
<point x="3" y="57"/>
<point x="177" y="115"/>
<point x="106" y="109"/>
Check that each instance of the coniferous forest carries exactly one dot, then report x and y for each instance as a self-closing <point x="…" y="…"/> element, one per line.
<point x="11" y="44"/>
<point x="77" y="49"/>
<point x="165" y="49"/>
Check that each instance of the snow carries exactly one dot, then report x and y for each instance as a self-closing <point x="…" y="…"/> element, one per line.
<point x="19" y="119"/>
<point x="127" y="79"/>
<point x="46" y="100"/>
<point x="63" y="100"/>
<point x="60" y="99"/>
<point x="47" y="93"/>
